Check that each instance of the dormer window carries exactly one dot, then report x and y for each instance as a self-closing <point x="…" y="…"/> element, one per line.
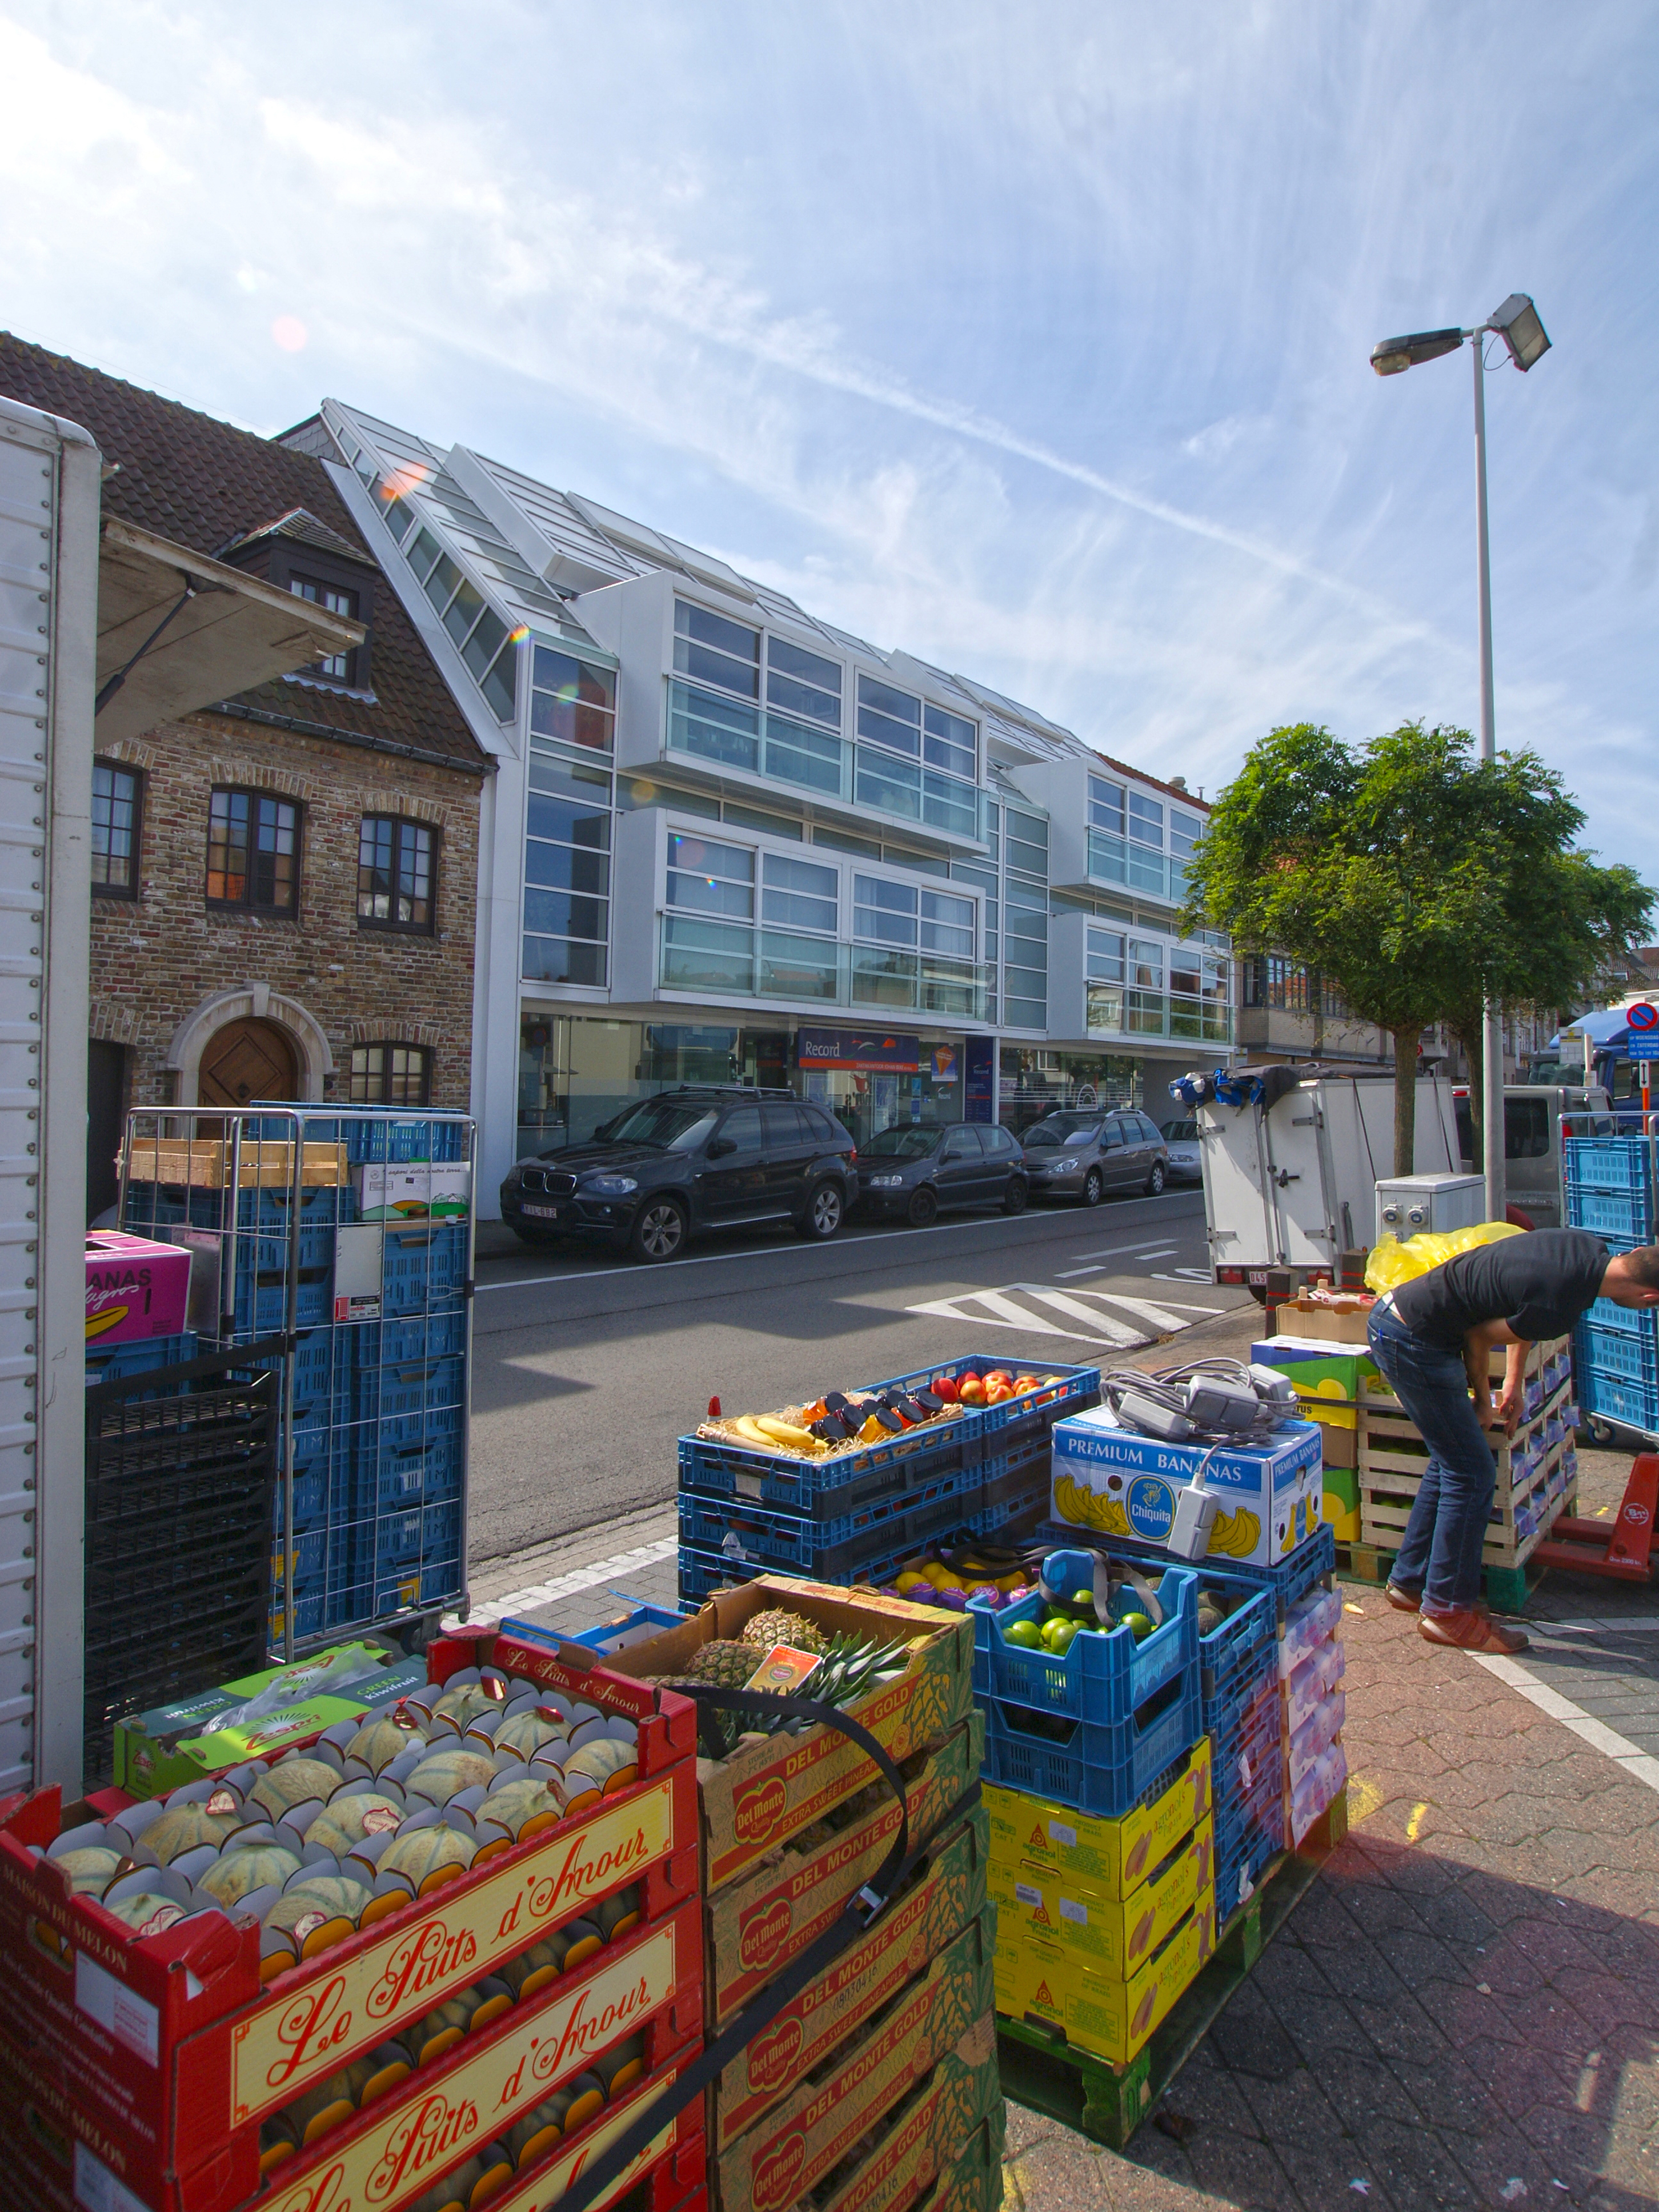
<point x="337" y="601"/>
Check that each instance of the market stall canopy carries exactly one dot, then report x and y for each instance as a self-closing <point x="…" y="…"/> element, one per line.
<point x="177" y="631"/>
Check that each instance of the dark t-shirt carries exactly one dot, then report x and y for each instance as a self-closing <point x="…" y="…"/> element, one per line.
<point x="1540" y="1283"/>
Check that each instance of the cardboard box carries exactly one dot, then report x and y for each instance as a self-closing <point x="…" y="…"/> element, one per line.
<point x="413" y="1190"/>
<point x="1097" y="2013"/>
<point x="923" y="2136"/>
<point x="767" y="1792"/>
<point x="945" y="1894"/>
<point x="1316" y="1367"/>
<point x="1124" y="1484"/>
<point x="267" y="1163"/>
<point x="161" y="1750"/>
<point x="786" y="2155"/>
<point x="1111" y="1857"/>
<point x="1341" y="1502"/>
<point x="1344" y="1324"/>
<point x="974" y="2184"/>
<point x="1109" y="1936"/>
<point x="763" y="1919"/>
<point x="135" y="1287"/>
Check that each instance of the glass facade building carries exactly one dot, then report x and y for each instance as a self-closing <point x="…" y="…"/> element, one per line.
<point x="730" y="842"/>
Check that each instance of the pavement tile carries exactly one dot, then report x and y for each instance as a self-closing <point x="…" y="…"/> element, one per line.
<point x="1498" y="2157"/>
<point x="1063" y="2168"/>
<point x="1446" y="2092"/>
<point x="1293" y="2110"/>
<point x="1605" y="2004"/>
<point x="1242" y="2175"/>
<point x="1412" y="2165"/>
<point x="1574" y="2143"/>
<point x="1359" y="2089"/>
<point x="1319" y="2025"/>
<point x="1323" y="2177"/>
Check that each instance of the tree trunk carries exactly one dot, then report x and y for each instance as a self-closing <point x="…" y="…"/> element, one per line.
<point x="1404" y="1100"/>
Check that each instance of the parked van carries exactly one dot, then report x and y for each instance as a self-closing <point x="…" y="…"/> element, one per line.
<point x="1532" y="1141"/>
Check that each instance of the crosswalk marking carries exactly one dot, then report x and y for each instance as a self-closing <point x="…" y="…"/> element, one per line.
<point x="1087" y="1314"/>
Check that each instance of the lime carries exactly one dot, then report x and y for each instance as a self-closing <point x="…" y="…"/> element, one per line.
<point x="1137" y="1624"/>
<point x="1025" y="1634"/>
<point x="1057" y="1634"/>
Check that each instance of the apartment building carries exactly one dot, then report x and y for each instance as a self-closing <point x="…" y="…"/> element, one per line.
<point x="728" y="842"/>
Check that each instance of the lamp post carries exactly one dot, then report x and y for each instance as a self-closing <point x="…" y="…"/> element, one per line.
<point x="1517" y="324"/>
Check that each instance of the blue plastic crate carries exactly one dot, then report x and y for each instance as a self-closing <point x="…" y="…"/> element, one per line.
<point x="1102" y="1678"/>
<point x="416" y="1386"/>
<point x="141" y="1355"/>
<point x="262" y="1301"/>
<point x="830" y="1550"/>
<point x="440" y="1532"/>
<point x="427" y="1473"/>
<point x="1622" y="1320"/>
<point x="1631" y="1355"/>
<point x="440" y="1580"/>
<point x="703" y="1569"/>
<point x="1611" y="1398"/>
<point x="1244" y="1722"/>
<point x="397" y="1342"/>
<point x="398" y="1431"/>
<point x="1015" y="1513"/>
<point x="825" y="1489"/>
<point x="1249" y="1833"/>
<point x="423" y="1267"/>
<point x="609" y="1638"/>
<point x="1626" y="1213"/>
<point x="1232" y="1657"/>
<point x="1625" y="1164"/>
<point x="1096" y="1767"/>
<point x="397" y="1540"/>
<point x="372" y="1136"/>
<point x="1289" y="1580"/>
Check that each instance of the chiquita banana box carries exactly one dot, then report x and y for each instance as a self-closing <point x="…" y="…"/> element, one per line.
<point x="1118" y="1483"/>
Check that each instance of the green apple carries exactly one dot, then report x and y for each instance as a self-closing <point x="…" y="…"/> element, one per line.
<point x="1025" y="1635"/>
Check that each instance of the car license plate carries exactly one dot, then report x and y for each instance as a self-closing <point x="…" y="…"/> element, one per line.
<point x="541" y="1212"/>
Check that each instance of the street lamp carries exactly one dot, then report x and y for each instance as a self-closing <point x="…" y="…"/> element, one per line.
<point x="1516" y="322"/>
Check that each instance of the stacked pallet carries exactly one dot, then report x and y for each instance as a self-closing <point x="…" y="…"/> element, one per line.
<point x="875" y="2084"/>
<point x="379" y="1284"/>
<point x="858" y="1514"/>
<point x="486" y="2033"/>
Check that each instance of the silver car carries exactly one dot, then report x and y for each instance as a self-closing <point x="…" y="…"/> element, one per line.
<point x="1186" y="1154"/>
<point x="1082" y="1154"/>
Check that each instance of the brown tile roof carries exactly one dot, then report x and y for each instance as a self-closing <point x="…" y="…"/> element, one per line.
<point x="203" y="483"/>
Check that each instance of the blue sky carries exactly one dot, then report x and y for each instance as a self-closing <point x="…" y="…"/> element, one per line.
<point x="1033" y="339"/>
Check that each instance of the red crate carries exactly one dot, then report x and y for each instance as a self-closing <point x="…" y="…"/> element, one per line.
<point x="169" y="2048"/>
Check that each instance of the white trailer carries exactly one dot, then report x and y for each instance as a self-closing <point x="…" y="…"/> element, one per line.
<point x="50" y="475"/>
<point x="1290" y="1176"/>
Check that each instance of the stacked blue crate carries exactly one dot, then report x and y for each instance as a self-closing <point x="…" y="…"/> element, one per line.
<point x="379" y="1405"/>
<point x="1610" y="1184"/>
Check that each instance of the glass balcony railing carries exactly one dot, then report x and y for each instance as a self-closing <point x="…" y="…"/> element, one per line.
<point x="1119" y="861"/>
<point x="731" y="733"/>
<point x="740" y="960"/>
<point x="1115" y="1011"/>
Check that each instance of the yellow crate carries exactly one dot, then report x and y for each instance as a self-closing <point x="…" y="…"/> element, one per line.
<point x="203" y="1163"/>
<point x="1112" y="2019"/>
<point x="1112" y="1857"/>
<point x="1110" y="1936"/>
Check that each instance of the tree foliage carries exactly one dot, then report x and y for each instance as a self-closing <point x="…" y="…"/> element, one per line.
<point x="1419" y="878"/>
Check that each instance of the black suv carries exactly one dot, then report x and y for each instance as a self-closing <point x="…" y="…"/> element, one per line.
<point x="699" y="1158"/>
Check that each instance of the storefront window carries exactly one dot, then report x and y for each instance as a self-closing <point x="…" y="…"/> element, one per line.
<point x="926" y="1088"/>
<point x="1035" y="1083"/>
<point x="576" y="1074"/>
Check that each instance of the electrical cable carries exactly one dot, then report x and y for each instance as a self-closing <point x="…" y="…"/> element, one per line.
<point x="1159" y="1402"/>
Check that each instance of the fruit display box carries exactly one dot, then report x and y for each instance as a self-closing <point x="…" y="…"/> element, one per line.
<point x="170" y="2046"/>
<point x="1287" y="1581"/>
<point x="946" y="1891"/>
<point x="1121" y="1483"/>
<point x="788" y="2153"/>
<point x="1107" y="1936"/>
<point x="1040" y="1982"/>
<point x="1098" y="1767"/>
<point x="927" y="2134"/>
<point x="720" y="1466"/>
<point x="756" y="1924"/>
<point x="1111" y="1857"/>
<point x="767" y="1791"/>
<point x="975" y="2183"/>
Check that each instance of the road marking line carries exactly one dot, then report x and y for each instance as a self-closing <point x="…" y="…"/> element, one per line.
<point x="1070" y="1274"/>
<point x="1646" y="1625"/>
<point x="1186" y="1275"/>
<point x="1640" y="1765"/>
<point x="1069" y="1301"/>
<point x="614" y="1569"/>
<point x="780" y="1251"/>
<point x="1003" y="1313"/>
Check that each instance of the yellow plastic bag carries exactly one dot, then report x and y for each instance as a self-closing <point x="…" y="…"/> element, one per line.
<point x="1392" y="1263"/>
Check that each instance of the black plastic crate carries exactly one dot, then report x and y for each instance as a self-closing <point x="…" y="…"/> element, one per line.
<point x="179" y="1494"/>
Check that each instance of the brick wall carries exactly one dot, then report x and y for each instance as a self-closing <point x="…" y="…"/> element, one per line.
<point x="155" y="960"/>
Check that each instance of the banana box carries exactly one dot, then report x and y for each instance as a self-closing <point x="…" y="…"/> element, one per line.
<point x="1108" y="1935"/>
<point x="1116" y="1480"/>
<point x="1110" y="1858"/>
<point x="1341" y="1504"/>
<point x="1039" y="1982"/>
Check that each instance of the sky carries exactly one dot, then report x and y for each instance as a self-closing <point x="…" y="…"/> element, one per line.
<point x="1030" y="339"/>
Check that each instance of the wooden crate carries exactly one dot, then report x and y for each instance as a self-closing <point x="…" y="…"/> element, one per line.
<point x="1390" y="1446"/>
<point x="1383" y="1514"/>
<point x="1374" y="1391"/>
<point x="203" y="1163"/>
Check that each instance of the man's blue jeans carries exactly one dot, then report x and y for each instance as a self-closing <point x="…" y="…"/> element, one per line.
<point x="1442" y="1548"/>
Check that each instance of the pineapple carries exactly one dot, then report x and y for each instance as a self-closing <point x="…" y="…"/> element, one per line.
<point x="726" y="1664"/>
<point x="793" y="1629"/>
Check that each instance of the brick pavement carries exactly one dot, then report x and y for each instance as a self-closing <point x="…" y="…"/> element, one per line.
<point x="1464" y="2010"/>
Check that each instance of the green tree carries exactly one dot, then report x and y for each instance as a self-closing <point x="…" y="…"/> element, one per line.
<point x="1417" y="878"/>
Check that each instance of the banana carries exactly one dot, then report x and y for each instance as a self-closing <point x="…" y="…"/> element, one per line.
<point x="751" y="1432"/>
<point x="781" y="1432"/>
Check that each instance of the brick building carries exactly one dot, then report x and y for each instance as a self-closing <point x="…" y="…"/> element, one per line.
<point x="285" y="883"/>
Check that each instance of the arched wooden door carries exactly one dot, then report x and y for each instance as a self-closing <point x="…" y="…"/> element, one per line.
<point x="247" y="1059"/>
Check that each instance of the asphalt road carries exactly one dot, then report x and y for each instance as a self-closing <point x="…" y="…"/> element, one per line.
<point x="587" y="1369"/>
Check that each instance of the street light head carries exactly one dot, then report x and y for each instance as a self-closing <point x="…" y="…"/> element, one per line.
<point x="1516" y="322"/>
<point x="1393" y="355"/>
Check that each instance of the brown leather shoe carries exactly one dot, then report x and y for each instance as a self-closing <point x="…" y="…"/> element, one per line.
<point x="1469" y="1631"/>
<point x="1403" y="1601"/>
